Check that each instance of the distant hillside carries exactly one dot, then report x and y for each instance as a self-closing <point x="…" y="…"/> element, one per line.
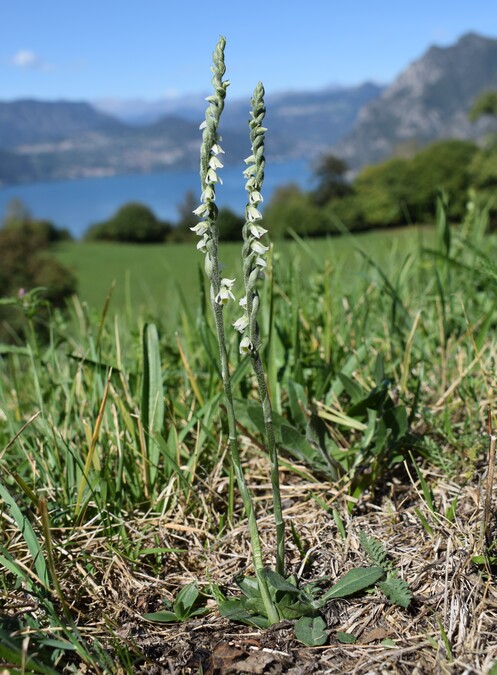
<point x="30" y="121"/>
<point x="429" y="100"/>
<point x="56" y="140"/>
<point x="305" y="124"/>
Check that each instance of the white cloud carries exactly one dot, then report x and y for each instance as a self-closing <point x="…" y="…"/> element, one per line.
<point x="27" y="59"/>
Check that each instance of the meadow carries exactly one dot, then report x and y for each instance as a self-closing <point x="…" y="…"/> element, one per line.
<point x="380" y="354"/>
<point x="305" y="488"/>
<point x="158" y="279"/>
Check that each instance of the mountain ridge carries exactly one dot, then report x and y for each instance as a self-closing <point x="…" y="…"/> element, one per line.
<point x="429" y="100"/>
<point x="62" y="139"/>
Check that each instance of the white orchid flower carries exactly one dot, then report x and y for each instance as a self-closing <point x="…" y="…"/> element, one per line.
<point x="255" y="197"/>
<point x="201" y="210"/>
<point x="258" y="247"/>
<point x="246" y="345"/>
<point x="202" y="244"/>
<point x="257" y="231"/>
<point x="214" y="163"/>
<point x="253" y="213"/>
<point x="241" y="323"/>
<point x="208" y="195"/>
<point x="200" y="228"/>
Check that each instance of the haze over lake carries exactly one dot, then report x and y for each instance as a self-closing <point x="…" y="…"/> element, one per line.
<point x="76" y="204"/>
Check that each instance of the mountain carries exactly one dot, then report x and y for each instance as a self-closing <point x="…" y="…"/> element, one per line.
<point x="429" y="100"/>
<point x="42" y="140"/>
<point x="305" y="124"/>
<point x="301" y="124"/>
<point x="30" y="121"/>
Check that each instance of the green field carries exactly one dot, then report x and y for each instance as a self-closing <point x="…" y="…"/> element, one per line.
<point x="154" y="278"/>
<point x="380" y="355"/>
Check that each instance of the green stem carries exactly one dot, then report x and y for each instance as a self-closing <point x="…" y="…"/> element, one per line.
<point x="258" y="368"/>
<point x="271" y="610"/>
<point x="273" y="458"/>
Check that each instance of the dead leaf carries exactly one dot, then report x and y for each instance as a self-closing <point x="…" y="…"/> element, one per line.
<point x="374" y="635"/>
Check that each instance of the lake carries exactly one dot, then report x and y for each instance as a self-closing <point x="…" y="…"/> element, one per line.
<point x="76" y="204"/>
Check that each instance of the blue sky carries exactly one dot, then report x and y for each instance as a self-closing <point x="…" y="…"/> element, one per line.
<point x="151" y="49"/>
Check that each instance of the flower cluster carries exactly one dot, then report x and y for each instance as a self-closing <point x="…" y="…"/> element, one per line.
<point x="210" y="163"/>
<point x="254" y="250"/>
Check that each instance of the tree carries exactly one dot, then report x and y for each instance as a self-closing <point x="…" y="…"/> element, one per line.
<point x="485" y="104"/>
<point x="381" y="192"/>
<point x="331" y="173"/>
<point x="290" y="208"/>
<point x="230" y="225"/>
<point x="444" y="165"/>
<point x="185" y="208"/>
<point x="133" y="223"/>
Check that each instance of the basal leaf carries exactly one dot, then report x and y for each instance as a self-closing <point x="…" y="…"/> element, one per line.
<point x="161" y="617"/>
<point x="234" y="610"/>
<point x="396" y="590"/>
<point x="346" y="638"/>
<point x="278" y="582"/>
<point x="311" y="631"/>
<point x="249" y="587"/>
<point x="352" y="582"/>
<point x="185" y="600"/>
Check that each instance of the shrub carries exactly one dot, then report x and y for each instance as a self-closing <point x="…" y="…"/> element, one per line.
<point x="230" y="227"/>
<point x="44" y="230"/>
<point x="132" y="223"/>
<point x="381" y="192"/>
<point x="26" y="265"/>
<point x="290" y="208"/>
<point x="399" y="191"/>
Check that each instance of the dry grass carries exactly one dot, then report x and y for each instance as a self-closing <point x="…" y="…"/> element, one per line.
<point x="448" y="628"/>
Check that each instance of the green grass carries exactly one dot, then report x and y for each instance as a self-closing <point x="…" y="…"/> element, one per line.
<point x="380" y="366"/>
<point x="147" y="277"/>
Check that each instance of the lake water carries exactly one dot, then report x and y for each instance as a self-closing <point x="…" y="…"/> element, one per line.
<point x="76" y="204"/>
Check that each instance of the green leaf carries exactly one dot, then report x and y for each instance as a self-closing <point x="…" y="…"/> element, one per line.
<point x="297" y="399"/>
<point x="255" y="606"/>
<point x="152" y="395"/>
<point x="296" y="443"/>
<point x="234" y="610"/>
<point x="291" y="608"/>
<point x="339" y="523"/>
<point x="164" y="616"/>
<point x="396" y="590"/>
<point x="353" y="389"/>
<point x="29" y="536"/>
<point x="424" y="522"/>
<point x="396" y="420"/>
<point x="249" y="587"/>
<point x="346" y="638"/>
<point x="374" y="549"/>
<point x="311" y="631"/>
<point x="352" y="582"/>
<point x="185" y="601"/>
<point x="278" y="582"/>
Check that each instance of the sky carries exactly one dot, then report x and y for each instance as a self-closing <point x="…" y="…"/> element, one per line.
<point x="155" y="49"/>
